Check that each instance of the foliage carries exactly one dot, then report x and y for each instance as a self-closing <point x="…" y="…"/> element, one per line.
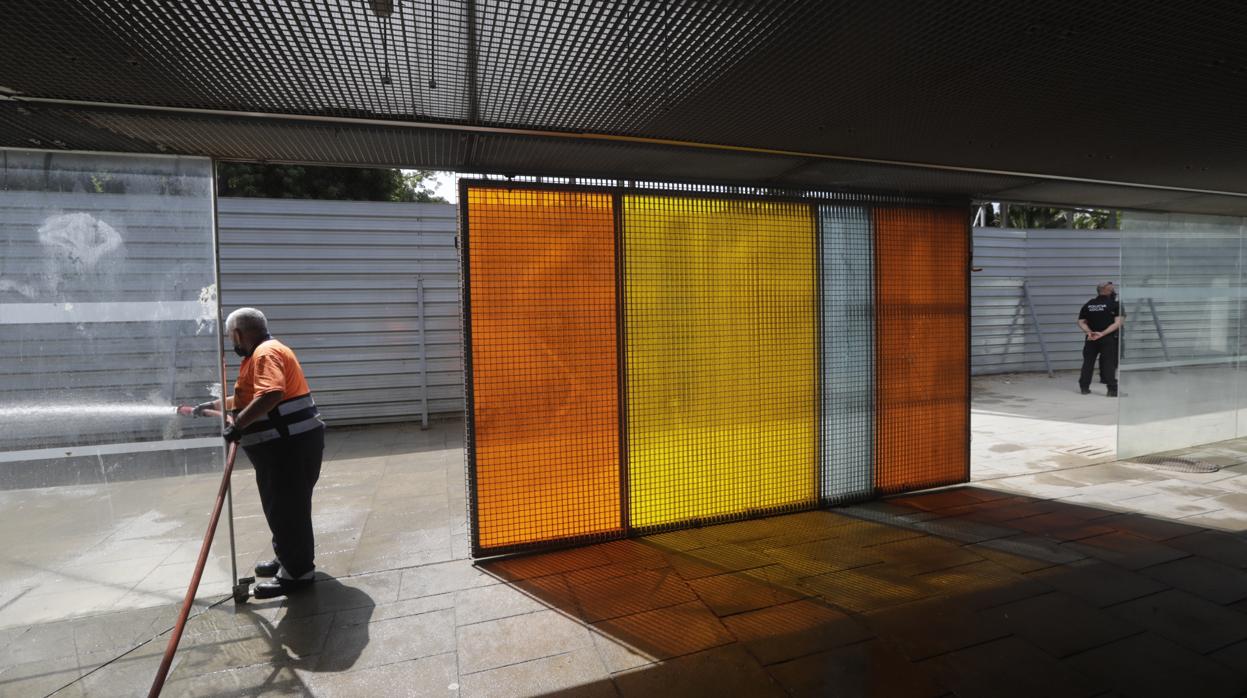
<point x="1036" y="217"/>
<point x="315" y="182"/>
<point x="418" y="186"/>
<point x="1097" y="219"/>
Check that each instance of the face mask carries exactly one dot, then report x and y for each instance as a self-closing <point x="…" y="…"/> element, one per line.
<point x="244" y="354"/>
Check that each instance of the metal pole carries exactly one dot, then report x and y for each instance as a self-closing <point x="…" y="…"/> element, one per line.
<point x="1043" y="347"/>
<point x="239" y="596"/>
<point x="229" y="490"/>
<point x="424" y="355"/>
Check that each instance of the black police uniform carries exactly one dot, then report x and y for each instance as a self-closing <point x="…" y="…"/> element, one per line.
<point x="1100" y="312"/>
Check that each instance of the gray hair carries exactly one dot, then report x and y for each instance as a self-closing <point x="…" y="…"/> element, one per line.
<point x="1098" y="287"/>
<point x="248" y="321"/>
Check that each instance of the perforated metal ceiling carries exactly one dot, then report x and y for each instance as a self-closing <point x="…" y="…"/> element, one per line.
<point x="1127" y="92"/>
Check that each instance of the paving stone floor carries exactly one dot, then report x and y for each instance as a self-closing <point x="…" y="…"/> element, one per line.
<point x="1105" y="579"/>
<point x="1024" y="423"/>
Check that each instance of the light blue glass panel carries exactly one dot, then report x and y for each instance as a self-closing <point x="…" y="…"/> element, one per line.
<point x="848" y="352"/>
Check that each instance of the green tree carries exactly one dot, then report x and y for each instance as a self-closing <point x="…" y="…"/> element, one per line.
<point x="1095" y="219"/>
<point x="316" y="182"/>
<point x="417" y="185"/>
<point x="1036" y="217"/>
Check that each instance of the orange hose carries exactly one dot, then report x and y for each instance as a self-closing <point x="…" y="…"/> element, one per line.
<point x="176" y="637"/>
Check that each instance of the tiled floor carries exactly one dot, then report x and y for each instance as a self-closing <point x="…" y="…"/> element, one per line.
<point x="1093" y="580"/>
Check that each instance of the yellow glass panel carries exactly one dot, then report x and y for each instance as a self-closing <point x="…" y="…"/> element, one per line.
<point x="721" y="357"/>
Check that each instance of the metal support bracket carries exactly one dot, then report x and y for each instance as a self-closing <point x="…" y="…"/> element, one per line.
<point x="1043" y="347"/>
<point x="424" y="353"/>
<point x="1160" y="332"/>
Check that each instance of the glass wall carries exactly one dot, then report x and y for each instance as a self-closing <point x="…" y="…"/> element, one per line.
<point x="108" y="321"/>
<point x="1182" y="292"/>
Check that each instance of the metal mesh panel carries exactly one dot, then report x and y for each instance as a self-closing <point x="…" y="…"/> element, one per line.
<point x="613" y="66"/>
<point x="794" y="75"/>
<point x="921" y="347"/>
<point x="327" y="57"/>
<point x="722" y="392"/>
<point x="544" y="384"/>
<point x="610" y="66"/>
<point x="650" y="357"/>
<point x="847" y="352"/>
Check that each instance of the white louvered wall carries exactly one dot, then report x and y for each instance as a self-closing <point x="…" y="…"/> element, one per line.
<point x="1061" y="268"/>
<point x="339" y="283"/>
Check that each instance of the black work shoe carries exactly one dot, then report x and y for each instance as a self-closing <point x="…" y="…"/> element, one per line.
<point x="1112" y="392"/>
<point x="1085" y="391"/>
<point x="267" y="569"/>
<point x="280" y="587"/>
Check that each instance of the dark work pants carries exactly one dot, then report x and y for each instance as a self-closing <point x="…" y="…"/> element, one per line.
<point x="286" y="470"/>
<point x="1106" y="349"/>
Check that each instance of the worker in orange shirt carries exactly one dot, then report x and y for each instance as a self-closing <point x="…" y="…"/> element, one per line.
<point x="278" y="426"/>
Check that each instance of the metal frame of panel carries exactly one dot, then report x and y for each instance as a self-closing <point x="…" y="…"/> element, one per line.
<point x="817" y="204"/>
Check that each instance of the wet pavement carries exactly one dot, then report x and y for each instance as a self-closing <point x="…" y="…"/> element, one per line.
<point x="1024" y="423"/>
<point x="79" y="562"/>
<point x="1105" y="579"/>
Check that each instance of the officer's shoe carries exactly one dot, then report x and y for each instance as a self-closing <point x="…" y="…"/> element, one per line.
<point x="1112" y="392"/>
<point x="267" y="569"/>
<point x="1084" y="391"/>
<point x="281" y="587"/>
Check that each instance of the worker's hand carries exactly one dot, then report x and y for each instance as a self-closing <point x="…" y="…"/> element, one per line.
<point x="232" y="433"/>
<point x="199" y="409"/>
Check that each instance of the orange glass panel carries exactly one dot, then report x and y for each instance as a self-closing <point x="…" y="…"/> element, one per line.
<point x="921" y="353"/>
<point x="543" y="365"/>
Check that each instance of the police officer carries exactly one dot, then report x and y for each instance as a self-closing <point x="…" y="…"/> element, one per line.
<point x="278" y="426"/>
<point x="1100" y="319"/>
